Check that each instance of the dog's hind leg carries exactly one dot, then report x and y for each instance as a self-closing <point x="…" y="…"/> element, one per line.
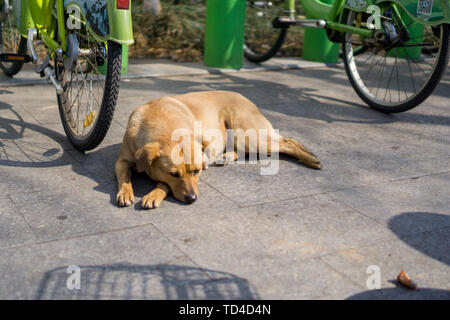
<point x="125" y="196"/>
<point x="293" y="148"/>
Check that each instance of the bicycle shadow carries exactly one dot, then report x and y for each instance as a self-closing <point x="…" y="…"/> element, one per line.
<point x="29" y="145"/>
<point x="400" y="293"/>
<point x="310" y="103"/>
<point x="29" y="152"/>
<point x="130" y="281"/>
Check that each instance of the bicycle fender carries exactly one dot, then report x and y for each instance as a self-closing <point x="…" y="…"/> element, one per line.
<point x="104" y="20"/>
<point x="428" y="12"/>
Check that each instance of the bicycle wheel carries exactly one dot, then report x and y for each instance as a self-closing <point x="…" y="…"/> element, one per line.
<point x="399" y="72"/>
<point x="10" y="40"/>
<point x="262" y="40"/>
<point x="90" y="95"/>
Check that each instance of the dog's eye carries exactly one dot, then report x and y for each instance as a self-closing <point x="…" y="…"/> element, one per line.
<point x="174" y="174"/>
<point x="196" y="171"/>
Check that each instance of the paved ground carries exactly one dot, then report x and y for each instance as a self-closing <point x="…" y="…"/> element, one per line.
<point x="381" y="199"/>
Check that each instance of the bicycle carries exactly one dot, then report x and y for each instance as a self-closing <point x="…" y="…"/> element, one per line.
<point x="82" y="60"/>
<point x="395" y="52"/>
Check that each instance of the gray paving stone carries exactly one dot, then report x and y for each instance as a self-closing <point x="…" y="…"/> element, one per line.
<point x="83" y="206"/>
<point x="13" y="228"/>
<point x="423" y="200"/>
<point x="244" y="183"/>
<point x="431" y="276"/>
<point x="258" y="242"/>
<point x="20" y="174"/>
<point x="381" y="198"/>
<point x="389" y="153"/>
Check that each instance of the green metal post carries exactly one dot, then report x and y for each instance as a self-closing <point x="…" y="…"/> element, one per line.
<point x="124" y="59"/>
<point x="317" y="47"/>
<point x="224" y="35"/>
<point x="102" y="69"/>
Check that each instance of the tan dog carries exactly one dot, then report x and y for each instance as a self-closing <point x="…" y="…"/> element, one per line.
<point x="149" y="144"/>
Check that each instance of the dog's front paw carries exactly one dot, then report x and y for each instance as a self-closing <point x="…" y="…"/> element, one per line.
<point x="152" y="200"/>
<point x="125" y="197"/>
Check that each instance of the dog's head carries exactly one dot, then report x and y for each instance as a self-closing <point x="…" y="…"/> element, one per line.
<point x="176" y="165"/>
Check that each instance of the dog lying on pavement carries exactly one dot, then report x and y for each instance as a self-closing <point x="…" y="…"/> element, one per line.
<point x="176" y="162"/>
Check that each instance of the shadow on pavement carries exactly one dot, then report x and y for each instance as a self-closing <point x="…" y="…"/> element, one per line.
<point x="439" y="248"/>
<point x="308" y="103"/>
<point x="28" y="145"/>
<point x="128" y="281"/>
<point x="16" y="151"/>
<point x="399" y="293"/>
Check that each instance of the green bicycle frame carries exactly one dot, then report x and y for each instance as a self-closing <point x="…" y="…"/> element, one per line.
<point x="41" y="14"/>
<point x="436" y="13"/>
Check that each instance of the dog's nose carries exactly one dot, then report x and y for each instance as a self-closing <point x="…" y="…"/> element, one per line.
<point x="190" y="198"/>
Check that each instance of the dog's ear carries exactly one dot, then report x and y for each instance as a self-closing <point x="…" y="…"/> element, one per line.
<point x="145" y="155"/>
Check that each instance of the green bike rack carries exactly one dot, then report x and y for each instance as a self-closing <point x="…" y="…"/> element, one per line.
<point x="224" y="34"/>
<point x="317" y="47"/>
<point x="102" y="69"/>
<point x="124" y="59"/>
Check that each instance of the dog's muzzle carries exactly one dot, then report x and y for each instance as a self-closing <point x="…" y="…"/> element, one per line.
<point x="190" y="198"/>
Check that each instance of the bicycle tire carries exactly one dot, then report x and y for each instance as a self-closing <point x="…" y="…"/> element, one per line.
<point x="109" y="100"/>
<point x="424" y="92"/>
<point x="12" y="68"/>
<point x="261" y="57"/>
<point x="262" y="40"/>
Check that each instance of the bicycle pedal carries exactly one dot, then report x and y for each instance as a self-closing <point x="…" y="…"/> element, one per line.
<point x="50" y="75"/>
<point x="286" y="22"/>
<point x="40" y="69"/>
<point x="89" y="118"/>
<point x="13" y="57"/>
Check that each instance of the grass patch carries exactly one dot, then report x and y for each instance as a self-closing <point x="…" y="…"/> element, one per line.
<point x="178" y="32"/>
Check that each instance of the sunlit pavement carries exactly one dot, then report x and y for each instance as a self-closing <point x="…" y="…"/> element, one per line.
<point x="380" y="203"/>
